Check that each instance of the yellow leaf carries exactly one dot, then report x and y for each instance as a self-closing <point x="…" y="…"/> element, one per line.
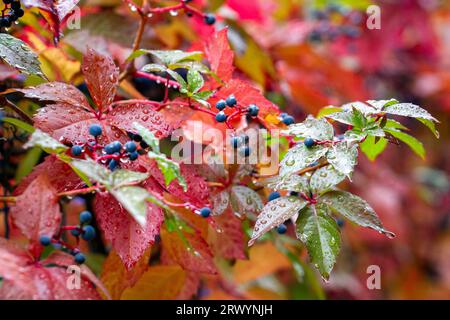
<point x="264" y="259"/>
<point x="158" y="283"/>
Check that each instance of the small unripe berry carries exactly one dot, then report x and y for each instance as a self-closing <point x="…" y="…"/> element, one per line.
<point x="274" y="195"/>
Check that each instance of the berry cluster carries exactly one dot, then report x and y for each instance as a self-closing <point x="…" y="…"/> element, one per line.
<point x="334" y="21"/>
<point x="14" y="13"/>
<point x="84" y="230"/>
<point x="112" y="153"/>
<point x="241" y="143"/>
<point x="287" y="119"/>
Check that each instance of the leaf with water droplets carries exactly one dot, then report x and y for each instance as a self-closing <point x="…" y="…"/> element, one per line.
<point x="355" y="209"/>
<point x="317" y="129"/>
<point x="373" y="149"/>
<point x="362" y="107"/>
<point x="245" y="201"/>
<point x="46" y="142"/>
<point x="36" y="211"/>
<point x="195" y="81"/>
<point x="169" y="168"/>
<point x="101" y="76"/>
<point x="129" y="239"/>
<point x="18" y="55"/>
<point x="292" y="182"/>
<point x="343" y="157"/>
<point x="134" y="200"/>
<point x="408" y="110"/>
<point x="171" y="57"/>
<point x="325" y="178"/>
<point x="320" y="233"/>
<point x="220" y="202"/>
<point x="227" y="240"/>
<point x="299" y="157"/>
<point x="275" y="213"/>
<point x="147" y="136"/>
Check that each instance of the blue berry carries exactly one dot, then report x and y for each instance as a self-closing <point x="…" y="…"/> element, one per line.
<point x="309" y="142"/>
<point x="95" y="130"/>
<point x="253" y="110"/>
<point x="288" y="120"/>
<point x="281" y="229"/>
<point x="210" y="19"/>
<point x="133" y="155"/>
<point x="205" y="212"/>
<point x="75" y="232"/>
<point x="112" y="164"/>
<point x="221" y="117"/>
<point x="77" y="150"/>
<point x="231" y="101"/>
<point x="340" y="222"/>
<point x="130" y="146"/>
<point x="245" y="151"/>
<point x="109" y="148"/>
<point x="117" y="146"/>
<point x="45" y="240"/>
<point x="221" y="104"/>
<point x="283" y="115"/>
<point x="85" y="217"/>
<point x="88" y="233"/>
<point x="79" y="258"/>
<point x="274" y="195"/>
<point x="236" y="142"/>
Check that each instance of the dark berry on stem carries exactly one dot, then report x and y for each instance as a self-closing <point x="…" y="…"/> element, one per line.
<point x="221" y="104"/>
<point x="75" y="232"/>
<point x="236" y="142"/>
<point x="7" y="1"/>
<point x="112" y="165"/>
<point x="85" y="217"/>
<point x="117" y="146"/>
<point x="130" y="146"/>
<point x="144" y="144"/>
<point x="246" y="138"/>
<point x="221" y="117"/>
<point x="253" y="110"/>
<point x="281" y="229"/>
<point x="88" y="233"/>
<point x="340" y="222"/>
<point x="95" y="130"/>
<point x="245" y="151"/>
<point x="309" y="142"/>
<point x="274" y="195"/>
<point x="109" y="148"/>
<point x="133" y="155"/>
<point x="288" y="120"/>
<point x="19" y="12"/>
<point x="15" y="5"/>
<point x="79" y="258"/>
<point x="45" y="240"/>
<point x="231" y="101"/>
<point x="5" y="22"/>
<point x="205" y="212"/>
<point x="210" y="18"/>
<point x="137" y="138"/>
<point x="293" y="193"/>
<point x="77" y="150"/>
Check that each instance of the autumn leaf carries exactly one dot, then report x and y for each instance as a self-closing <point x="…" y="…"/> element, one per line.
<point x="43" y="217"/>
<point x="227" y="239"/>
<point x="220" y="56"/>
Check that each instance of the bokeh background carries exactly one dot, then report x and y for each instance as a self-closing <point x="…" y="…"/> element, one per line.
<point x="306" y="55"/>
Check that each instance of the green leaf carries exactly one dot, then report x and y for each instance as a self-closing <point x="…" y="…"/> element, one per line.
<point x="345" y="117"/>
<point x="148" y="136"/>
<point x="299" y="157"/>
<point x="27" y="163"/>
<point x="169" y="168"/>
<point x="363" y="107"/>
<point x="354" y="209"/>
<point x="320" y="233"/>
<point x="170" y="57"/>
<point x="325" y="111"/>
<point x="318" y="129"/>
<point x="409" y="110"/>
<point x="325" y="178"/>
<point x="195" y="81"/>
<point x="343" y="157"/>
<point x="245" y="201"/>
<point x="203" y="95"/>
<point x="183" y="85"/>
<point x="122" y="177"/>
<point x="17" y="54"/>
<point x="275" y="213"/>
<point x="20" y="124"/>
<point x="153" y="67"/>
<point x="412" y="142"/>
<point x="292" y="182"/>
<point x="133" y="199"/>
<point x="46" y="142"/>
<point x="373" y="149"/>
<point x="430" y="125"/>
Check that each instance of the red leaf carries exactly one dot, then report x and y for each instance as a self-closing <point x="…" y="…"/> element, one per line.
<point x="124" y="115"/>
<point x="58" y="92"/>
<point x="101" y="76"/>
<point x="197" y="192"/>
<point x="128" y="238"/>
<point x="197" y="257"/>
<point x="59" y="174"/>
<point x="13" y="258"/>
<point x="63" y="259"/>
<point x="190" y="287"/>
<point x="220" y="55"/>
<point x="36" y="211"/>
<point x="229" y="243"/>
